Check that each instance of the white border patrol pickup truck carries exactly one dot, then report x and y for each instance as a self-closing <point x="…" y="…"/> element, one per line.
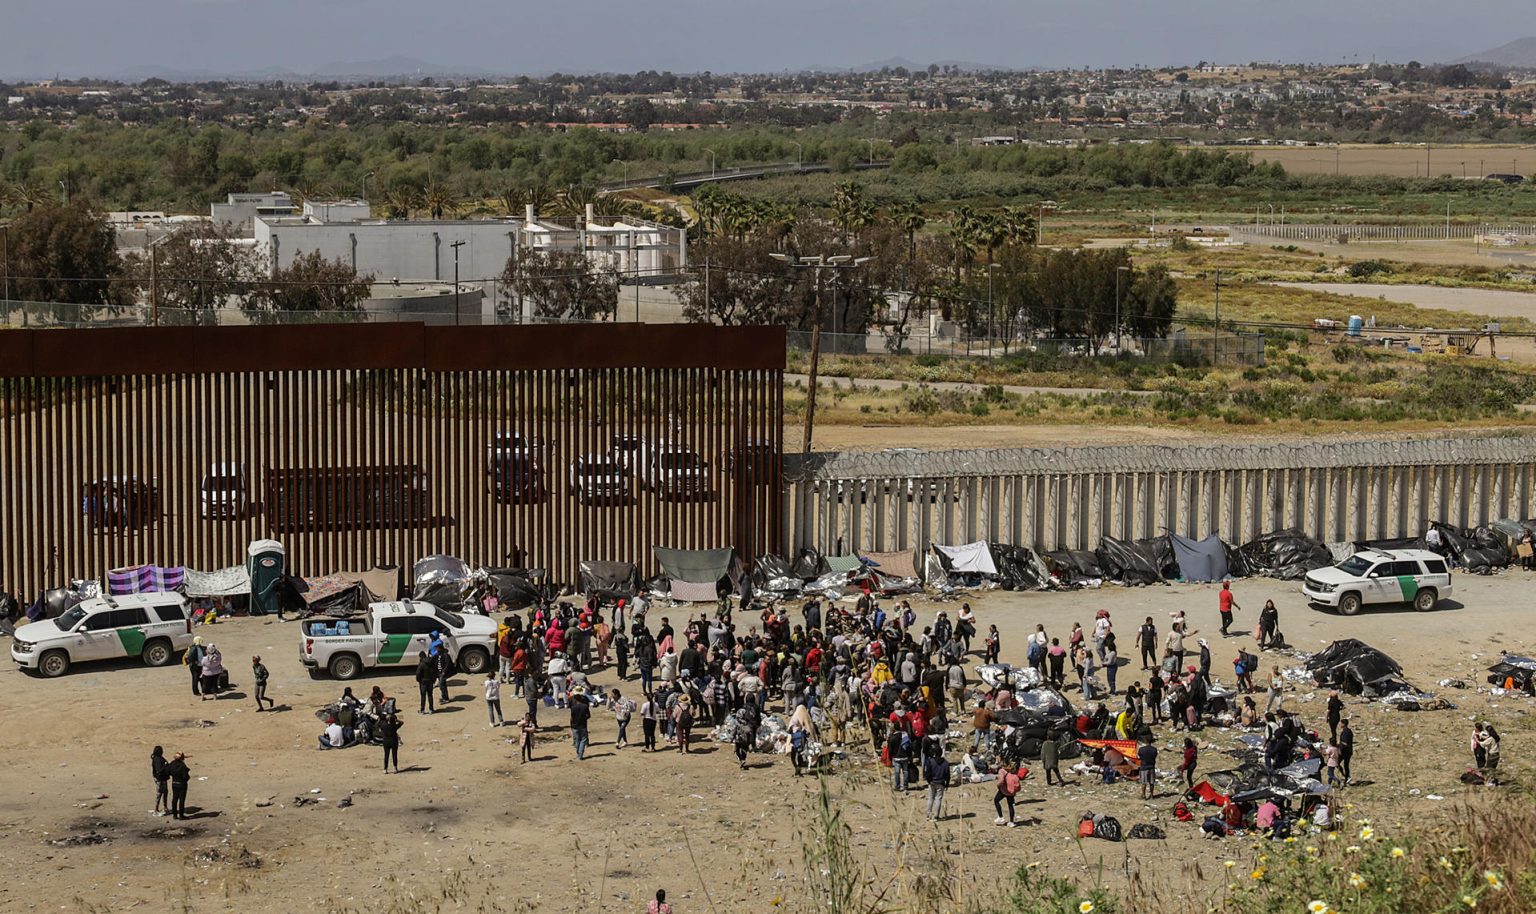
<point x="393" y="634"/>
<point x="1415" y="576"/>
<point x="152" y="626"/>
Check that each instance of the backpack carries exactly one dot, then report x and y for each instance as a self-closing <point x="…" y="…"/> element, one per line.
<point x="1180" y="812"/>
<point x="1107" y="828"/>
<point x="1145" y="830"/>
<point x="1085" y="827"/>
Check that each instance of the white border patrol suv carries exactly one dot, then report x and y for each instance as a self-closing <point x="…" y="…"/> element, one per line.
<point x="153" y="626"/>
<point x="1415" y="576"/>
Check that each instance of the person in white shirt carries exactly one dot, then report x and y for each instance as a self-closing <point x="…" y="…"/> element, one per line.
<point x="556" y="670"/>
<point x="493" y="699"/>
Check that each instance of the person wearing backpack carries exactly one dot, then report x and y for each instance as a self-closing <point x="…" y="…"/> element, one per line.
<point x="1035" y="652"/>
<point x="899" y="743"/>
<point x="1008" y="784"/>
<point x="936" y="773"/>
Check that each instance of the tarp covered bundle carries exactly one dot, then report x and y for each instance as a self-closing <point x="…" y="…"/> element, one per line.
<point x="609" y="581"/>
<point x="1479" y="549"/>
<point x="1200" y="560"/>
<point x="233" y="581"/>
<point x="1286" y="554"/>
<point x="808" y="564"/>
<point x="145" y="579"/>
<point x="1018" y="568"/>
<point x="1130" y="562"/>
<point x="515" y="587"/>
<point x="1356" y="668"/>
<point x="773" y="578"/>
<point x="1513" y="671"/>
<point x="439" y="579"/>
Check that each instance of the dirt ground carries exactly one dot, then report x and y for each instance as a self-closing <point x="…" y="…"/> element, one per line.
<point x="468" y="822"/>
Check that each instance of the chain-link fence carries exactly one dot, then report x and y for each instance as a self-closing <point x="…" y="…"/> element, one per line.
<point x="1227" y="349"/>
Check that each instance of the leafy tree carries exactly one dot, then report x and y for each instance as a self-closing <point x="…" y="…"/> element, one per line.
<point x="323" y="288"/>
<point x="193" y="272"/>
<point x="66" y="254"/>
<point x="559" y="284"/>
<point x="738" y="284"/>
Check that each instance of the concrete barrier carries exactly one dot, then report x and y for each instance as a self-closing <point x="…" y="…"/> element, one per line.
<point x="1070" y="498"/>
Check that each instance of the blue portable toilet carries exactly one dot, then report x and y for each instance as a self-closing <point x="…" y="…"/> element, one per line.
<point x="267" y="562"/>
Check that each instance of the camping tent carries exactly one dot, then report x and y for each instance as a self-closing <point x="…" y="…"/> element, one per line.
<point x="971" y="558"/>
<point x="609" y="581"/>
<point x="1202" y="560"/>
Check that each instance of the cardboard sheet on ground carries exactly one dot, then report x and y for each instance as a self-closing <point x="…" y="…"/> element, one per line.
<point x="971" y="558"/>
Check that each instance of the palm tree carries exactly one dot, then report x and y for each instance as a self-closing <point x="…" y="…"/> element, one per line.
<point x="400" y="199"/>
<point x="517" y="197"/>
<point x="439" y="200"/>
<point x="615" y="207"/>
<point x="1019" y="226"/>
<point x="851" y="213"/>
<point x="910" y="219"/>
<point x="572" y="202"/>
<point x="962" y="229"/>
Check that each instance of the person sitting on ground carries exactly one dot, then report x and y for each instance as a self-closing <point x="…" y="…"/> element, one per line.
<point x="1268" y="816"/>
<point x="335" y="736"/>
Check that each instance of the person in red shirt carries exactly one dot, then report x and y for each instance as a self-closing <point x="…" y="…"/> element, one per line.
<point x="1187" y="767"/>
<point x="1226" y="603"/>
<point x="1008" y="784"/>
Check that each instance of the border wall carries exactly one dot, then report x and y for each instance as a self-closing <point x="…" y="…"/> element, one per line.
<point x="1070" y="498"/>
<point x="363" y="445"/>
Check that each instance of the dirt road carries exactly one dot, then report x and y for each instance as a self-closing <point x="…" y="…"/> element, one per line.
<point x="467" y="822"/>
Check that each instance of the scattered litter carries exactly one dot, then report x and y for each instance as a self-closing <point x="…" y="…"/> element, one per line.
<point x="81" y="840"/>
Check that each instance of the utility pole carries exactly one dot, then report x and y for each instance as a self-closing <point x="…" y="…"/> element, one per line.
<point x="457" y="318"/>
<point x="1447" y="220"/>
<point x="154" y="286"/>
<point x="1119" y="271"/>
<point x="818" y="264"/>
<point x="5" y="259"/>
<point x="1216" y="325"/>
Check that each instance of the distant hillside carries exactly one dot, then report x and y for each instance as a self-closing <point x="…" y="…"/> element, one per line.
<point x="1518" y="53"/>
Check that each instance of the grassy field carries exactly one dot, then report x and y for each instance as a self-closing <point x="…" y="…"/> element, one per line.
<point x="1400" y="161"/>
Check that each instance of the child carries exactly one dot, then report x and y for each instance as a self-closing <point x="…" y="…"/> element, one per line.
<point x="1187" y="767"/>
<point x="1331" y="757"/>
<point x="529" y="728"/>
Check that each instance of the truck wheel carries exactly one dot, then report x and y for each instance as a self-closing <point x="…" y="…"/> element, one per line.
<point x="1349" y="604"/>
<point x="53" y="664"/>
<point x="474" y="661"/>
<point x="157" y="653"/>
<point x="345" y="666"/>
<point x="1425" y="600"/>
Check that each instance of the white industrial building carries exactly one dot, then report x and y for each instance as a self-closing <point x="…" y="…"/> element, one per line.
<point x="423" y="250"/>
<point x="239" y="211"/>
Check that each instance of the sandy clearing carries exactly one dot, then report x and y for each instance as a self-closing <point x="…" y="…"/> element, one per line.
<point x="1492" y="302"/>
<point x="602" y="834"/>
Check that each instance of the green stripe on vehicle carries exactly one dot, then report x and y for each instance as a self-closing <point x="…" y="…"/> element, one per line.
<point x="133" y="641"/>
<point x="1409" y="586"/>
<point x="394" y="648"/>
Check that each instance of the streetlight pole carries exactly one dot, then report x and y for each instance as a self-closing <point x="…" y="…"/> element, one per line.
<point x="626" y="171"/>
<point x="991" y="268"/>
<point x="1216" y="324"/>
<point x="871" y="150"/>
<point x="456" y="315"/>
<point x="799" y="153"/>
<point x="817" y="264"/>
<point x="64" y="186"/>
<point x="1119" y="271"/>
<point x="365" y="186"/>
<point x="712" y="161"/>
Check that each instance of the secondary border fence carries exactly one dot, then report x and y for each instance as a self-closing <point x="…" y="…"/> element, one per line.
<point x="1244" y="350"/>
<point x="376" y="445"/>
<point x="1070" y="498"/>
<point x="1356" y="232"/>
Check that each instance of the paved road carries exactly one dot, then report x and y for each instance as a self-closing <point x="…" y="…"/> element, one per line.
<point x="966" y="386"/>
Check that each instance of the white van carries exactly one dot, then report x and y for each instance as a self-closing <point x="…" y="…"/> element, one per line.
<point x="223" y="492"/>
<point x="152" y="626"/>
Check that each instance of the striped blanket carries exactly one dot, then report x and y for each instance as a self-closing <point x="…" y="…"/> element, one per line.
<point x="145" y="579"/>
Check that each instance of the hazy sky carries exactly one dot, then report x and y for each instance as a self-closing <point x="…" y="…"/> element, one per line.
<point x="105" y="37"/>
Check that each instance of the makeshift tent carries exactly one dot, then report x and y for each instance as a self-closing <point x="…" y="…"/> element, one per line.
<point x="439" y="580"/>
<point x="893" y="564"/>
<point x="1202" y="560"/>
<point x="334" y="594"/>
<point x="380" y="585"/>
<point x="1129" y="562"/>
<point x="1018" y="568"/>
<point x="233" y="581"/>
<point x="145" y="579"/>
<point x="56" y="602"/>
<point x="719" y="568"/>
<point x="844" y="563"/>
<point x="694" y="592"/>
<point x="516" y="588"/>
<point x="608" y="581"/>
<point x="1356" y="668"/>
<point x="1286" y="554"/>
<point x="1073" y="567"/>
<point x="808" y="564"/>
<point x="971" y="558"/>
<point x="773" y="577"/>
<point x="1513" y="671"/>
